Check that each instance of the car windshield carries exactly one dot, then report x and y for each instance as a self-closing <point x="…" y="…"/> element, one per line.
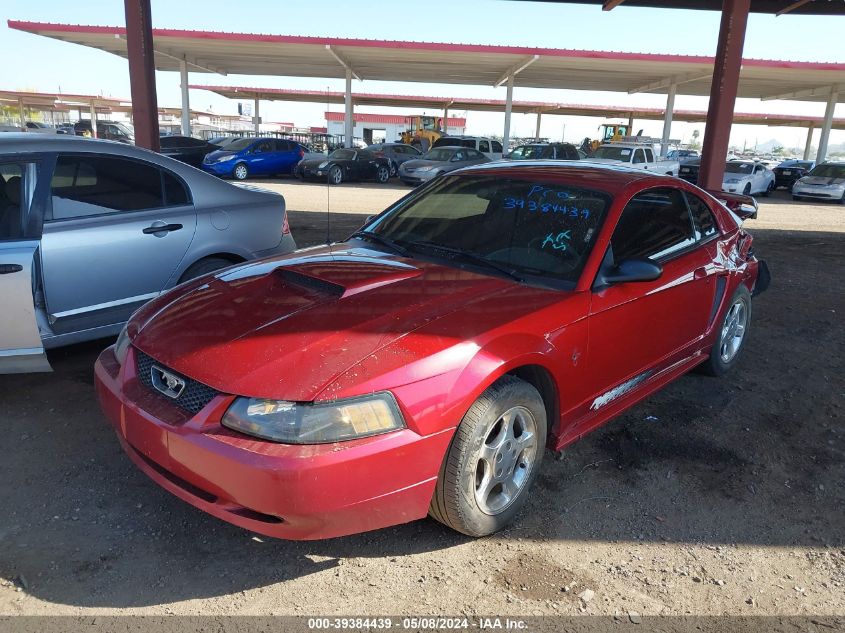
<point x="240" y="144"/>
<point x="530" y="228"/>
<point x="124" y="128"/>
<point x="738" y="168"/>
<point x="527" y="152"/>
<point x="439" y="154"/>
<point x="613" y="153"/>
<point x="828" y="171"/>
<point x="343" y="154"/>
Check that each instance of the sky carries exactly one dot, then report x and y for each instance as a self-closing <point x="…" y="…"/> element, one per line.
<point x="51" y="65"/>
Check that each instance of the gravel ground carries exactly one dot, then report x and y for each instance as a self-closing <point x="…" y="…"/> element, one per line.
<point x="715" y="496"/>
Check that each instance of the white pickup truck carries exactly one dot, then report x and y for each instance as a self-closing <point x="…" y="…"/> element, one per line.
<point x="636" y="155"/>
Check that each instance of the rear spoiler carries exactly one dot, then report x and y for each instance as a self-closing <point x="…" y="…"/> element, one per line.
<point x="743" y="206"/>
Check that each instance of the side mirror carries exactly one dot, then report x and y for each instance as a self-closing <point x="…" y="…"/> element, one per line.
<point x="746" y="211"/>
<point x="637" y="269"/>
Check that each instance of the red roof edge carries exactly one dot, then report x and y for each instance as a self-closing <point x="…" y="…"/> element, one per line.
<point x="40" y="27"/>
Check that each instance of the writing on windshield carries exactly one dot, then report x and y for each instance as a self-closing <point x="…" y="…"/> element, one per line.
<point x="536" y="228"/>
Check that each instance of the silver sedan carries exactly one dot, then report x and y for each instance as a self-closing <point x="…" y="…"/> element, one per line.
<point x="90" y="230"/>
<point x="438" y="161"/>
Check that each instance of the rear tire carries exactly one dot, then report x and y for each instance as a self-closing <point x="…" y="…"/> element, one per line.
<point x="382" y="174"/>
<point x="240" y="171"/>
<point x="732" y="335"/>
<point x="493" y="459"/>
<point x="204" y="267"/>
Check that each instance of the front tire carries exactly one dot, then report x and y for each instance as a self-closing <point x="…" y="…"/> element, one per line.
<point x="240" y="171"/>
<point x="493" y="459"/>
<point x="769" y="189"/>
<point x="747" y="190"/>
<point x="733" y="332"/>
<point x="335" y="175"/>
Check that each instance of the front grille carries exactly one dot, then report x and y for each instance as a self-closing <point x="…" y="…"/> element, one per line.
<point x="192" y="399"/>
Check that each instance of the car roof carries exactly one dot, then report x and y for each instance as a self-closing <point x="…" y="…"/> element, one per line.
<point x="609" y="178"/>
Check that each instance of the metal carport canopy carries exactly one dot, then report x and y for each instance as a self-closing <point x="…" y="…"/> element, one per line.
<point x="497" y="105"/>
<point x="433" y="62"/>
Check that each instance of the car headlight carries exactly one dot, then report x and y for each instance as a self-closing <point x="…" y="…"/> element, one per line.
<point x="732" y="180"/>
<point x="315" y="423"/>
<point x="323" y="165"/>
<point x="223" y="159"/>
<point x="429" y="168"/>
<point x="121" y="347"/>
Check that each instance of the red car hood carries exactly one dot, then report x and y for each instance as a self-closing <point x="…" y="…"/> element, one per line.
<point x="285" y="328"/>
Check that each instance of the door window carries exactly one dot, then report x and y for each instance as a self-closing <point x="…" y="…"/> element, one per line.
<point x="497" y="147"/>
<point x="11" y="196"/>
<point x="649" y="155"/>
<point x="483" y="146"/>
<point x="94" y="185"/>
<point x="655" y="224"/>
<point x="705" y="223"/>
<point x="175" y="192"/>
<point x="263" y="147"/>
<point x="639" y="157"/>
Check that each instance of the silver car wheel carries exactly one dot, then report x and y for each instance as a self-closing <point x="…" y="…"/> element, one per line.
<point x="383" y="174"/>
<point x="505" y="460"/>
<point x="240" y="172"/>
<point x="733" y="331"/>
<point x="335" y="175"/>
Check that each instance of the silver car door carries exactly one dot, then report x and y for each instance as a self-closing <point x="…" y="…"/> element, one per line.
<point x="21" y="349"/>
<point x="112" y="238"/>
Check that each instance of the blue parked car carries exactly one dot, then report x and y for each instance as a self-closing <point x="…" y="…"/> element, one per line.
<point x="254" y="157"/>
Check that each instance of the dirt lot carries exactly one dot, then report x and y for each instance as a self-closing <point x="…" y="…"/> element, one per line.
<point x="716" y="496"/>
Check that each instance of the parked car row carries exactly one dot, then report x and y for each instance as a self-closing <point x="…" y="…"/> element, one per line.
<point x="803" y="178"/>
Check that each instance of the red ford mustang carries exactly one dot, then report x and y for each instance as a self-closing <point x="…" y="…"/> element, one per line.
<point x="423" y="366"/>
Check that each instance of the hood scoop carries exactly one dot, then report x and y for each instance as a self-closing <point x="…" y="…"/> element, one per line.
<point x="316" y="284"/>
<point x="343" y="278"/>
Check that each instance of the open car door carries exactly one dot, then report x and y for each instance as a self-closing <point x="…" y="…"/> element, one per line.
<point x="21" y="213"/>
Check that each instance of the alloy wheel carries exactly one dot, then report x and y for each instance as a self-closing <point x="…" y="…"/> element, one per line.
<point x="733" y="331"/>
<point x="240" y="172"/>
<point x="505" y="460"/>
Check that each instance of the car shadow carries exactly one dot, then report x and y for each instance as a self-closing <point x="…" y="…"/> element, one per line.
<point x="753" y="458"/>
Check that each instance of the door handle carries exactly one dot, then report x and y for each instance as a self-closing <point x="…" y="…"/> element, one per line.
<point x="6" y="269"/>
<point x="164" y="228"/>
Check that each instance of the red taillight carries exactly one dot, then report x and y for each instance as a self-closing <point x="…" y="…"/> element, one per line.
<point x="301" y="153"/>
<point x="285" y="225"/>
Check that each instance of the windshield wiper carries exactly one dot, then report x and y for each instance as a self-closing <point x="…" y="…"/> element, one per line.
<point x="381" y="239"/>
<point x="470" y="257"/>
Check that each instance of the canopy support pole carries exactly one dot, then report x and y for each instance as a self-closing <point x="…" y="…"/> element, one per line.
<point x="828" y="123"/>
<point x="508" y="107"/>
<point x="21" y="115"/>
<point x="93" y="111"/>
<point x="667" y="119"/>
<point x="348" y="113"/>
<point x="809" y="144"/>
<point x="142" y="80"/>
<point x="537" y="128"/>
<point x="256" y="117"/>
<point x="186" y="106"/>
<point x="723" y="89"/>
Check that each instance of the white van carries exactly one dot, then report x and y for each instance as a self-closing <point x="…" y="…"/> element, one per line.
<point x="490" y="148"/>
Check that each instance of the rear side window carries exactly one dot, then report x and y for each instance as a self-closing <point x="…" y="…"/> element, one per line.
<point x="284" y="146"/>
<point x="497" y="146"/>
<point x="11" y="196"/>
<point x="705" y="223"/>
<point x="175" y="192"/>
<point x="483" y="146"/>
<point x="654" y="224"/>
<point x="639" y="157"/>
<point x="94" y="185"/>
<point x="649" y="155"/>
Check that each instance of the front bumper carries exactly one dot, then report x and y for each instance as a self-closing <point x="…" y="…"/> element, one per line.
<point x="223" y="169"/>
<point x="283" y="491"/>
<point x="820" y="193"/>
<point x="415" y="177"/>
